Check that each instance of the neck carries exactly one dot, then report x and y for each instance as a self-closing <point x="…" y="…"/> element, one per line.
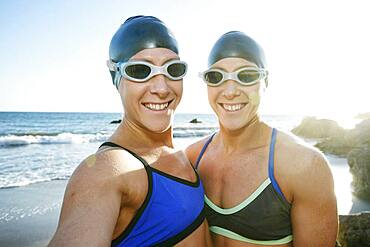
<point x="141" y="140"/>
<point x="254" y="135"/>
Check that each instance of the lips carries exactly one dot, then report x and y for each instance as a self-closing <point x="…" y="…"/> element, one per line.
<point x="157" y="106"/>
<point x="232" y="107"/>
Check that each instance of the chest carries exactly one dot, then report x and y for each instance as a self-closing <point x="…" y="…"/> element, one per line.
<point x="229" y="179"/>
<point x="171" y="167"/>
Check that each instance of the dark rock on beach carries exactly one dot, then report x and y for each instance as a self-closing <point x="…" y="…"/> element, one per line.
<point x="354" y="230"/>
<point x="116" y="121"/>
<point x="195" y="121"/>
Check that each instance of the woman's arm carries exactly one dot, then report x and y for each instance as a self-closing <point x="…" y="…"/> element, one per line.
<point x="314" y="209"/>
<point x="91" y="206"/>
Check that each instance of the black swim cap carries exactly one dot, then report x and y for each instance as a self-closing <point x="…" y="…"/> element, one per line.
<point x="237" y="44"/>
<point x="138" y="33"/>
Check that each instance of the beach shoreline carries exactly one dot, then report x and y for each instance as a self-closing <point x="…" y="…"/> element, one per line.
<point x="29" y="214"/>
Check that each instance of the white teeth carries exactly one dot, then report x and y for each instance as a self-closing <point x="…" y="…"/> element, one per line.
<point x="156" y="107"/>
<point x="229" y="107"/>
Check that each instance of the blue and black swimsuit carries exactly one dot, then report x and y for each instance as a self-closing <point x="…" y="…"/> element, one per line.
<point x="172" y="210"/>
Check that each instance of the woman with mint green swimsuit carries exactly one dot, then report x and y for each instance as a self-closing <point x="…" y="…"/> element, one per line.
<point x="263" y="187"/>
<point x="246" y="221"/>
<point x="270" y="226"/>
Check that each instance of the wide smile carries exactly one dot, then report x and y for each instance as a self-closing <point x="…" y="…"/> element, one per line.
<point x="162" y="106"/>
<point x="232" y="107"/>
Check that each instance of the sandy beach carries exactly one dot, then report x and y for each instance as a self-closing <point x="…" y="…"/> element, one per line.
<point x="29" y="215"/>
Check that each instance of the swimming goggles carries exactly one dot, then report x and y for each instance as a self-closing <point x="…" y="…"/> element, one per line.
<point x="141" y="71"/>
<point x="246" y="76"/>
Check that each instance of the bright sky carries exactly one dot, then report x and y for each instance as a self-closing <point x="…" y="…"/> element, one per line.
<point x="53" y="53"/>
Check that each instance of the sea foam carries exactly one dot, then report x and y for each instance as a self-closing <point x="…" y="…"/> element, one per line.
<point x="62" y="138"/>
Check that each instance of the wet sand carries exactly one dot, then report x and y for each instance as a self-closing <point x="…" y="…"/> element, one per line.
<point x="29" y="214"/>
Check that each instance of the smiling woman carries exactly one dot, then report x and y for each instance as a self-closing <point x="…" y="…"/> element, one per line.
<point x="263" y="187"/>
<point x="136" y="190"/>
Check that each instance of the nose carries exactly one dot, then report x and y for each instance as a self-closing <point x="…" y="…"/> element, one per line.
<point x="159" y="86"/>
<point x="231" y="89"/>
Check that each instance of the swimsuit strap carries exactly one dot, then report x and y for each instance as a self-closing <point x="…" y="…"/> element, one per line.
<point x="203" y="150"/>
<point x="112" y="144"/>
<point x="271" y="163"/>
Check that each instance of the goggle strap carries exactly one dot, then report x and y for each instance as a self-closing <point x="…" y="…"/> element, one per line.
<point x="112" y="65"/>
<point x="117" y="79"/>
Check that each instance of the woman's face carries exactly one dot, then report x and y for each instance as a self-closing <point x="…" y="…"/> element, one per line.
<point x="234" y="104"/>
<point x="151" y="104"/>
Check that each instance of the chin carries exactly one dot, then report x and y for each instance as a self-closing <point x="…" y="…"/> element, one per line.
<point x="159" y="129"/>
<point x="232" y="125"/>
<point x="158" y="125"/>
<point x="235" y="123"/>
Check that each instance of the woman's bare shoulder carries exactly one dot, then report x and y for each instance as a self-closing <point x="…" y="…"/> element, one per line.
<point x="300" y="161"/>
<point x="296" y="149"/>
<point x="110" y="167"/>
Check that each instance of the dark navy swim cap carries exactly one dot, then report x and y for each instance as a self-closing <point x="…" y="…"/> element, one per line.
<point x="138" y="33"/>
<point x="237" y="44"/>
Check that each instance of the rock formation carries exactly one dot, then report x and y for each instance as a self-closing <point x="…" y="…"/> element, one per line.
<point x="116" y="121"/>
<point x="195" y="121"/>
<point x="354" y="230"/>
<point x="318" y="128"/>
<point x="353" y="144"/>
<point x="359" y="163"/>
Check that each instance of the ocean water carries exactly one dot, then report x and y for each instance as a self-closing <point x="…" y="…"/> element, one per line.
<point x="41" y="147"/>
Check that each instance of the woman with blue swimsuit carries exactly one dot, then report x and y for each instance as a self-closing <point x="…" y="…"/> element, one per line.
<point x="263" y="187"/>
<point x="136" y="190"/>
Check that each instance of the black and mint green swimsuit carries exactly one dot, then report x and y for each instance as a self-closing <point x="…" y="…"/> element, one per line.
<point x="263" y="218"/>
